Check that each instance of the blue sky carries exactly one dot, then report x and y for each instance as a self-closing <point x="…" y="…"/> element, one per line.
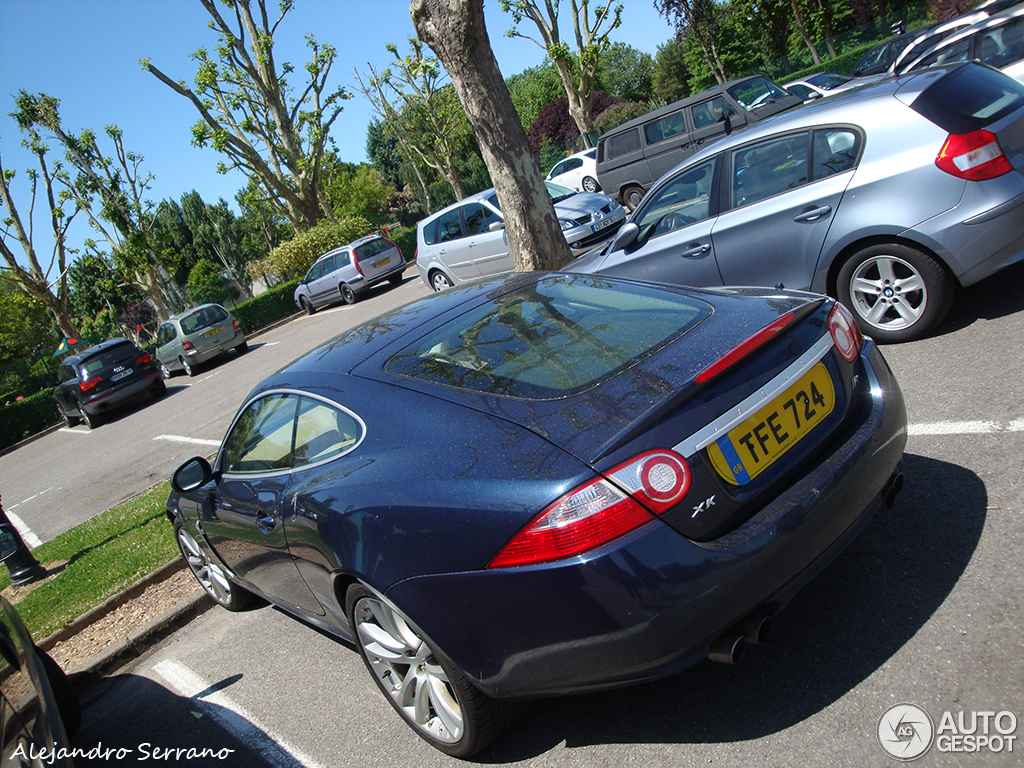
<point x="86" y="53"/>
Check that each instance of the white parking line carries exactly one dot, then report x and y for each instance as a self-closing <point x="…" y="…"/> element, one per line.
<point x="27" y="535"/>
<point x="183" y="439"/>
<point x="232" y="717"/>
<point x="965" y="427"/>
<point x="72" y="431"/>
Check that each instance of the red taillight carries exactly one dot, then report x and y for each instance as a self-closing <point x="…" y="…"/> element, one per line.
<point x="975" y="156"/>
<point x="845" y="332"/>
<point x="188" y="346"/>
<point x="235" y="325"/>
<point x="88" y="384"/>
<point x="600" y="510"/>
<point x="739" y="352"/>
<point x="146" y="358"/>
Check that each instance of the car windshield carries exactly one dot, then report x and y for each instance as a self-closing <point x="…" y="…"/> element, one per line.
<point x="828" y="82"/>
<point x="757" y="92"/>
<point x="557" y="337"/>
<point x="558" y="192"/>
<point x="202" y="318"/>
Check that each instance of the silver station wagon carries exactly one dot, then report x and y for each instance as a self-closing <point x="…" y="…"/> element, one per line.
<point x="344" y="273"/>
<point x="187" y="340"/>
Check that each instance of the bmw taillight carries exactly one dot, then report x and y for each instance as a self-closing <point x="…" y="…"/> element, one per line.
<point x="601" y="510"/>
<point x="845" y="332"/>
<point x="974" y="156"/>
<point x="146" y="358"/>
<point x="89" y="383"/>
<point x="740" y="351"/>
<point x="188" y="346"/>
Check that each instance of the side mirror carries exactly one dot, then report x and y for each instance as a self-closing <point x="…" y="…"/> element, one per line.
<point x="8" y="541"/>
<point x="627" y="235"/>
<point x="496" y="226"/>
<point x="194" y="473"/>
<point x="814" y="96"/>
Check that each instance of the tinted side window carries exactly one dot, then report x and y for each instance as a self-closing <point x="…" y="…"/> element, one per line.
<point x="710" y="112"/>
<point x="835" y="150"/>
<point x="478" y="218"/>
<point x="342" y="259"/>
<point x="622" y="143"/>
<point x="449" y="227"/>
<point x="430" y="233"/>
<point x="682" y="201"/>
<point x="315" y="272"/>
<point x="951" y="54"/>
<point x="1003" y="45"/>
<point x="665" y="128"/>
<point x="769" y="167"/>
<point x="261" y="439"/>
<point x="322" y="432"/>
<point x="798" y="89"/>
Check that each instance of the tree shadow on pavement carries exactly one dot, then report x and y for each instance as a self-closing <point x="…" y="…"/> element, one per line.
<point x="839" y="630"/>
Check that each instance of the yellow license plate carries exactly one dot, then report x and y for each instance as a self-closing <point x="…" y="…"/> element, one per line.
<point x="214" y="332"/>
<point x="754" y="444"/>
<point x="382" y="262"/>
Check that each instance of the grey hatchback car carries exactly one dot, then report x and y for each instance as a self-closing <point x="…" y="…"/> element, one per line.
<point x="888" y="197"/>
<point x="187" y="340"/>
<point x="342" y="274"/>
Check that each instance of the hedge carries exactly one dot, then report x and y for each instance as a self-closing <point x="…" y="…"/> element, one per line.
<point x="27" y="417"/>
<point x="267" y="308"/>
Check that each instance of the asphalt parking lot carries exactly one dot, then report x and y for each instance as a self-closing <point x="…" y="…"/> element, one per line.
<point x="925" y="607"/>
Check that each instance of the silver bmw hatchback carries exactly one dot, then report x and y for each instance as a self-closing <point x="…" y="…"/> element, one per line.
<point x="888" y="197"/>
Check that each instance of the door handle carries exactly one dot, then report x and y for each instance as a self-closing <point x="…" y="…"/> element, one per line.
<point x="696" y="249"/>
<point x="814" y="213"/>
<point x="265" y="523"/>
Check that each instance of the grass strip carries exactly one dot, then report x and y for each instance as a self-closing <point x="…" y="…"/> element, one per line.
<point x="104" y="555"/>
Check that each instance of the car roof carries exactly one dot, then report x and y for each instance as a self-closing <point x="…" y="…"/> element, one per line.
<point x="995" y="20"/>
<point x="188" y="312"/>
<point x="79" y="356"/>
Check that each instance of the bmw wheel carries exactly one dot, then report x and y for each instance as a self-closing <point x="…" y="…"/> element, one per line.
<point x="187" y="366"/>
<point x="211" y="577"/>
<point x="439" y="281"/>
<point x="347" y="294"/>
<point x="429" y="692"/>
<point x="897" y="293"/>
<point x="590" y="184"/>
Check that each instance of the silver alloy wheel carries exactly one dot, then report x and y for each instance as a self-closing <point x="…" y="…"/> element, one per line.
<point x="408" y="670"/>
<point x="439" y="281"/>
<point x="187" y="366"/>
<point x="164" y="372"/>
<point x="210" y="576"/>
<point x="888" y="292"/>
<point x="590" y="184"/>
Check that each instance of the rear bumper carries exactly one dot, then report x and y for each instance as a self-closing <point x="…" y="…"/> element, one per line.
<point x="361" y="284"/>
<point x="201" y="356"/>
<point x="114" y="398"/>
<point x="652" y="602"/>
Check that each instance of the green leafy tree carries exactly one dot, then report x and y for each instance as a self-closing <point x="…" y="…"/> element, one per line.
<point x="671" y="74"/>
<point x="626" y="73"/>
<point x="699" y="21"/>
<point x="205" y="284"/>
<point x="533" y="89"/>
<point x="97" y="286"/>
<point x="576" y="67"/>
<point x="251" y="112"/>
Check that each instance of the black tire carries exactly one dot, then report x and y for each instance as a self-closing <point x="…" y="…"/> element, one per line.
<point x="590" y="184"/>
<point x="210" y="575"/>
<point x="307" y="305"/>
<point x="631" y="197"/>
<point x="395" y="279"/>
<point x="896" y="292"/>
<point x="190" y="370"/>
<point x="347" y="294"/>
<point x="165" y="372"/>
<point x="461" y="719"/>
<point x="242" y="348"/>
<point x="439" y="281"/>
<point x="89" y="420"/>
<point x="69" y="421"/>
<point x="159" y="389"/>
<point x="63" y="693"/>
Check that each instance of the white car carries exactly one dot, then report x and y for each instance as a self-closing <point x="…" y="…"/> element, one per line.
<point x="820" y="85"/>
<point x="578" y="172"/>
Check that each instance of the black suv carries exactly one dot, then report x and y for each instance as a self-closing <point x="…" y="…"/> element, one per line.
<point x="104" y="377"/>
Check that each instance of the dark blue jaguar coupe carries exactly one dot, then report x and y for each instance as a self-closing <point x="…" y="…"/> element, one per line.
<point x="546" y="483"/>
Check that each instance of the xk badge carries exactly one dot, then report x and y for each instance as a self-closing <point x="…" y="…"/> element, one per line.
<point x="706" y="504"/>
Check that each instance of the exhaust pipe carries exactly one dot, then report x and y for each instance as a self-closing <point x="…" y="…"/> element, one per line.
<point x="756" y="629"/>
<point x="727" y="649"/>
<point x="892" y="490"/>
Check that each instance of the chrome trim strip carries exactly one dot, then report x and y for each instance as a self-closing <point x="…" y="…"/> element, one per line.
<point x="709" y="434"/>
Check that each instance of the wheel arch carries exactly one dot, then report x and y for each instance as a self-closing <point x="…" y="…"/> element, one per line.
<point x="832" y="278"/>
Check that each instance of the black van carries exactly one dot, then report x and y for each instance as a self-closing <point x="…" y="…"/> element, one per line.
<point x="631" y="157"/>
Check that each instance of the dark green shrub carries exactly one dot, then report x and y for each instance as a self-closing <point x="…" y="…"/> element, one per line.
<point x="267" y="308"/>
<point x="292" y="259"/>
<point x="26" y="417"/>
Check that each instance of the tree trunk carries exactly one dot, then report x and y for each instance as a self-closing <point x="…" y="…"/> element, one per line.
<point x="803" y="32"/>
<point x="455" y="30"/>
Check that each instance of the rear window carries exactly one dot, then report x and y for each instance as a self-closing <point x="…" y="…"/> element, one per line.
<point x="108" y="358"/>
<point x="202" y="318"/>
<point x="558" y="337"/>
<point x="372" y="248"/>
<point x="969" y="98"/>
